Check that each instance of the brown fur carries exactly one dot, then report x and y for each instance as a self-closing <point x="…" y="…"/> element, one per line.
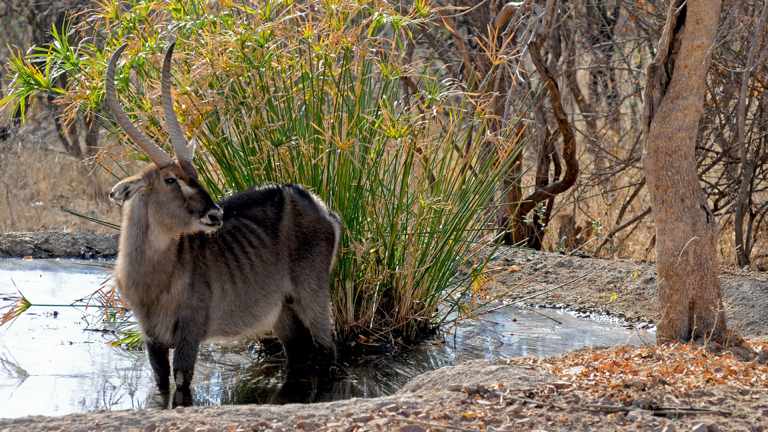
<point x="192" y="269"/>
<point x="266" y="267"/>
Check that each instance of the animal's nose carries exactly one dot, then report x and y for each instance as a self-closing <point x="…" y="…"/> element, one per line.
<point x="214" y="216"/>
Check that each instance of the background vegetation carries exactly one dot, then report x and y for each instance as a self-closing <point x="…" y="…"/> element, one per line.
<point x="407" y="84"/>
<point x="596" y="51"/>
<point x="310" y="94"/>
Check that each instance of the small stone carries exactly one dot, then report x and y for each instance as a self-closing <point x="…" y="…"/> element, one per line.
<point x="365" y="418"/>
<point x="411" y="428"/>
<point x="391" y="408"/>
<point x="307" y="426"/>
<point x="475" y="389"/>
<point x="574" y="370"/>
<point x="378" y="422"/>
<point x="562" y="385"/>
<point x="699" y="427"/>
<point x="149" y="428"/>
<point x="179" y="410"/>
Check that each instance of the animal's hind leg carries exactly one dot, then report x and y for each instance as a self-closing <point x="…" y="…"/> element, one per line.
<point x="158" y="359"/>
<point x="295" y="337"/>
<point x="314" y="312"/>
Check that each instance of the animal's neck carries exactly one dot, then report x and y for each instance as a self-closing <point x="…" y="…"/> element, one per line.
<point x="147" y="255"/>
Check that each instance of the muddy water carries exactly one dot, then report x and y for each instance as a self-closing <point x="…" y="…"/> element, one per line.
<point x="52" y="363"/>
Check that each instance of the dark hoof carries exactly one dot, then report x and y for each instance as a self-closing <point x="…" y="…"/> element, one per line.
<point x="182" y="398"/>
<point x="159" y="400"/>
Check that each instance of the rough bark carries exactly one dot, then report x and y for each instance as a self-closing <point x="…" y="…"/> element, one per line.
<point x="690" y="294"/>
<point x="569" y="139"/>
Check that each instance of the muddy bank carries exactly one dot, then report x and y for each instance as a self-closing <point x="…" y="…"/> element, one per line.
<point x="57" y="244"/>
<point x="491" y="395"/>
<point x="411" y="409"/>
<point x="563" y="393"/>
<point x="619" y="288"/>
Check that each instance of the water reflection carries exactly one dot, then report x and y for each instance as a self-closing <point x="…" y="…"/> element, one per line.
<point x="50" y="365"/>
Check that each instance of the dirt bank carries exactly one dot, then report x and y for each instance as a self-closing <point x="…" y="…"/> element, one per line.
<point x="601" y="389"/>
<point x="578" y="391"/>
<point x="57" y="244"/>
<point x="620" y="288"/>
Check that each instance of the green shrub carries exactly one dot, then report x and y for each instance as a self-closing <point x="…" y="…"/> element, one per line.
<point x="321" y="94"/>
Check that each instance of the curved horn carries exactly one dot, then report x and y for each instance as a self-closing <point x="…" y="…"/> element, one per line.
<point x="155" y="153"/>
<point x="183" y="152"/>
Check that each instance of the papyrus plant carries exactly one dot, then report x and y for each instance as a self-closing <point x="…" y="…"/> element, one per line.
<point x="328" y="95"/>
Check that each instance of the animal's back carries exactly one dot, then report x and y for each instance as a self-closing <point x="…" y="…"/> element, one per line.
<point x="276" y="244"/>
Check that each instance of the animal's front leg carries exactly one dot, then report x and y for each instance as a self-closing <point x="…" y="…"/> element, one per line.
<point x="158" y="359"/>
<point x="188" y="337"/>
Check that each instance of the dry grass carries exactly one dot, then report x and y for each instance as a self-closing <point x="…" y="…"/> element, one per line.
<point x="38" y="180"/>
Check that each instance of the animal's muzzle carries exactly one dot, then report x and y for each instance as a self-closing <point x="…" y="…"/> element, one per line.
<point x="213" y="218"/>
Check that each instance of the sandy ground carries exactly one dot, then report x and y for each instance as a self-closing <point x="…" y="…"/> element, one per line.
<point x="619" y="288"/>
<point x="600" y="389"/>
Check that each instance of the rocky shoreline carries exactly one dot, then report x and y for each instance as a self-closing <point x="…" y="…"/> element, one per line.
<point x="57" y="244"/>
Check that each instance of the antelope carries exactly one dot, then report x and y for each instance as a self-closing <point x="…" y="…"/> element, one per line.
<point x="193" y="269"/>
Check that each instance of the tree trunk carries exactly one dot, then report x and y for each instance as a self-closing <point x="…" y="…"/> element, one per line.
<point x="690" y="294"/>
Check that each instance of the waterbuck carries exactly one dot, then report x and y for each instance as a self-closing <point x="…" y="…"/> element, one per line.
<point x="194" y="269"/>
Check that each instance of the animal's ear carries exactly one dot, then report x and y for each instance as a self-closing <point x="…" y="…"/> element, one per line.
<point x="127" y="188"/>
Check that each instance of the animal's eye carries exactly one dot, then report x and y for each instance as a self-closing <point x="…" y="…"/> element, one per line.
<point x="170" y="180"/>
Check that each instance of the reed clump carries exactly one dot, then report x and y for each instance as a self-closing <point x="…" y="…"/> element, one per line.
<point x="328" y="95"/>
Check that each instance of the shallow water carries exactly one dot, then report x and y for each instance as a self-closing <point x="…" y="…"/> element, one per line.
<point x="50" y="364"/>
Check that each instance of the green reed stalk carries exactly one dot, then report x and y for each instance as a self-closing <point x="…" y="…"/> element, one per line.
<point x="315" y="94"/>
